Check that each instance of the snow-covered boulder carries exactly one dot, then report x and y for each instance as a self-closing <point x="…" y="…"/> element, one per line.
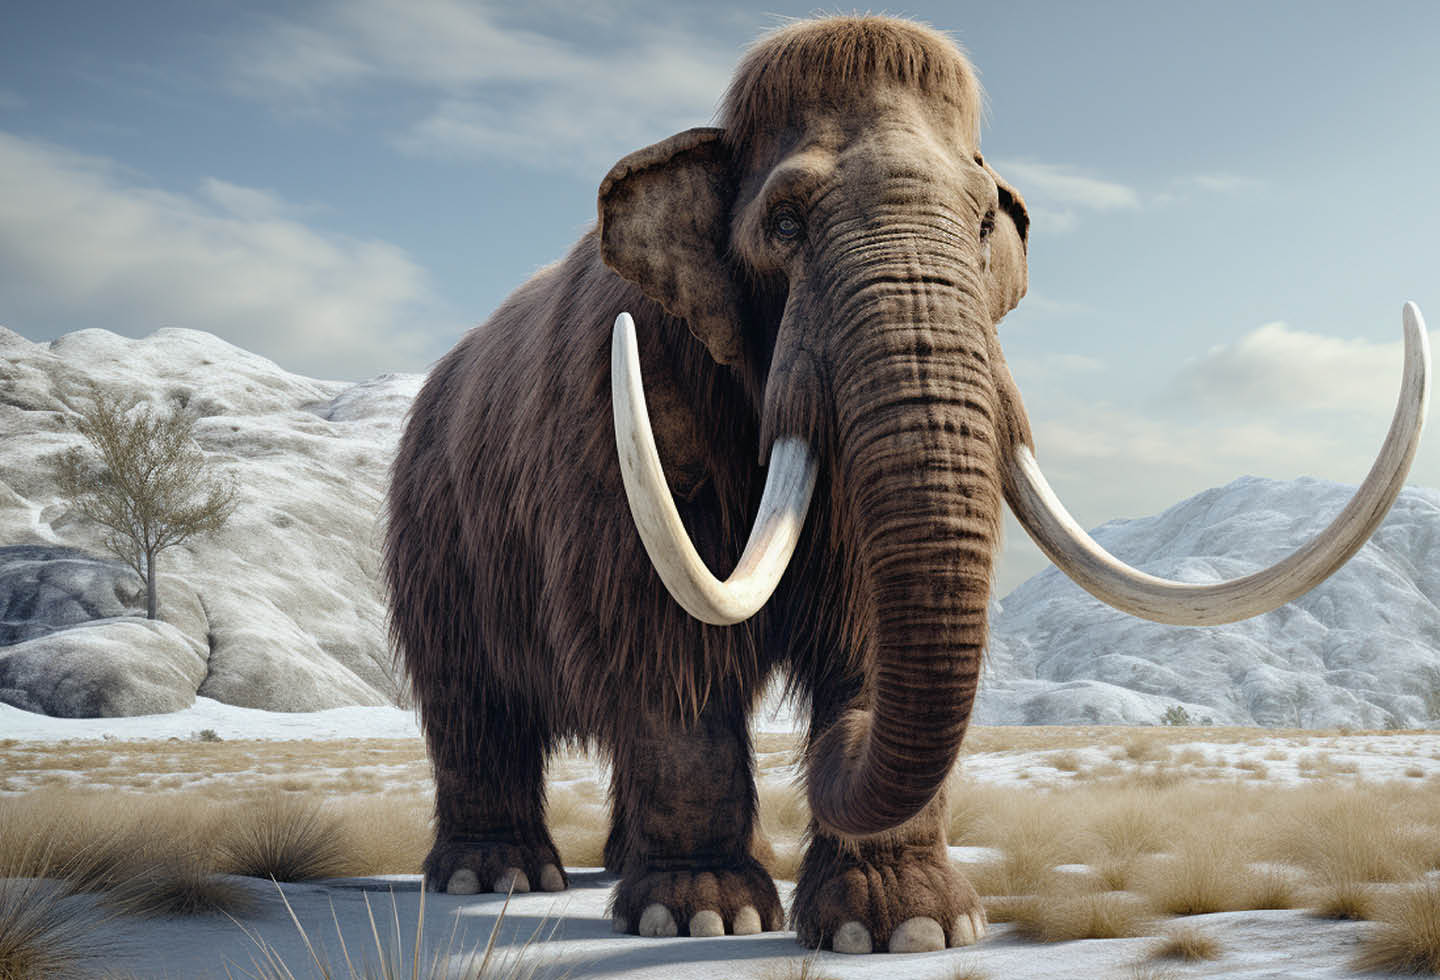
<point x="285" y="602"/>
<point x="1362" y="649"/>
<point x="43" y="589"/>
<point x="107" y="668"/>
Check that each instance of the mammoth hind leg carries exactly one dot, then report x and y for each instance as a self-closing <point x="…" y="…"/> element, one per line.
<point x="489" y="804"/>
<point x="682" y="833"/>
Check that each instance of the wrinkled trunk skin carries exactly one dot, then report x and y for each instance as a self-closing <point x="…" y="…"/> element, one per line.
<point x="916" y="464"/>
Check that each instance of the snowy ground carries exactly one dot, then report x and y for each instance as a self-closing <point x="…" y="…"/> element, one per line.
<point x="580" y="944"/>
<point x="574" y="926"/>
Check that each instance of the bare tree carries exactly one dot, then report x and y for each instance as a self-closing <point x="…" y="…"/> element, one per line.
<point x="152" y="489"/>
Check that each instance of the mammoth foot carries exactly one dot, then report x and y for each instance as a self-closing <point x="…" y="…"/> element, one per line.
<point x="738" y="902"/>
<point x="917" y="904"/>
<point x="468" y="867"/>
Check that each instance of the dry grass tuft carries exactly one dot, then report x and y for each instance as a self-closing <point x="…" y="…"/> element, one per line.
<point x="1187" y="944"/>
<point x="784" y="810"/>
<point x="179" y="886"/>
<point x="1343" y="898"/>
<point x="1146" y="747"/>
<point x="1106" y="915"/>
<point x="1205" y="875"/>
<point x="1407" y="937"/>
<point x="1353" y="837"/>
<point x="42" y="932"/>
<point x="1065" y="761"/>
<point x="285" y="838"/>
<point x="1128" y="823"/>
<point x="385" y="835"/>
<point x="1273" y="890"/>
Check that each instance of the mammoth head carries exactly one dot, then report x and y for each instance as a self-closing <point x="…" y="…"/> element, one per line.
<point x="666" y="225"/>
<point x="842" y="244"/>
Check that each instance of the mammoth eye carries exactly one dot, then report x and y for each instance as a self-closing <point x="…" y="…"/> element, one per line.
<point x="785" y="223"/>
<point x="987" y="225"/>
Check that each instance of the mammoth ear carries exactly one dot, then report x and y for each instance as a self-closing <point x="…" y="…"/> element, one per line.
<point x="665" y="226"/>
<point x="1009" y="242"/>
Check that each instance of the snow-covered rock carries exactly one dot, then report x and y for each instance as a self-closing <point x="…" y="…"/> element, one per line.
<point x="283" y="605"/>
<point x="1362" y="649"/>
<point x="111" y="667"/>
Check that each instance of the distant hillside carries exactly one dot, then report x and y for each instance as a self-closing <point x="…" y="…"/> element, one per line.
<point x="283" y="609"/>
<point x="1362" y="649"/>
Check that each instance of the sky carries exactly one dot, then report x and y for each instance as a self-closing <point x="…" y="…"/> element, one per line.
<point x="1229" y="201"/>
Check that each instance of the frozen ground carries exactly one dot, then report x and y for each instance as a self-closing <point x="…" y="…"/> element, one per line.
<point x="1273" y="944"/>
<point x="575" y="927"/>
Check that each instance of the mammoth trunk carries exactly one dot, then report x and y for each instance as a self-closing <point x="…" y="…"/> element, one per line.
<point x="916" y="461"/>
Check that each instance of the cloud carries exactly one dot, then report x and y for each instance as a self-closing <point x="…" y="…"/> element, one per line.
<point x="1221" y="183"/>
<point x="494" y="87"/>
<point x="1276" y="368"/>
<point x="1055" y="194"/>
<point x="84" y="244"/>
<point x="1059" y="185"/>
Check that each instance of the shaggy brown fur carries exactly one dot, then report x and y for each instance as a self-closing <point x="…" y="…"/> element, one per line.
<point x="523" y="604"/>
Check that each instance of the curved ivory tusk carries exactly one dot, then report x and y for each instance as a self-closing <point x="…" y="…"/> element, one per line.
<point x="788" y="485"/>
<point x="1185" y="604"/>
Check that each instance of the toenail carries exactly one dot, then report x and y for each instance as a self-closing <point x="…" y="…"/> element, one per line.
<point x="852" y="937"/>
<point x="511" y="880"/>
<point x="920" y="934"/>
<point x="707" y="922"/>
<point x="747" y="921"/>
<point x="551" y="880"/>
<point x="656" y="922"/>
<point x="463" y="882"/>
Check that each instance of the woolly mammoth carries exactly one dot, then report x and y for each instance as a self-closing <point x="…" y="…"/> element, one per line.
<point x="814" y="288"/>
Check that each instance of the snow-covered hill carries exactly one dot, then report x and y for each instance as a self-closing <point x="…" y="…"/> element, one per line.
<point x="1362" y="649"/>
<point x="283" y="611"/>
<point x="280" y="610"/>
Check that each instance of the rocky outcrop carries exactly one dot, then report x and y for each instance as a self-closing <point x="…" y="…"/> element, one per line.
<point x="1360" y="650"/>
<point x="280" y="610"/>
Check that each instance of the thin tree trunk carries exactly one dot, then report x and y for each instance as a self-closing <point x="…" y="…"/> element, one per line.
<point x="151" y="604"/>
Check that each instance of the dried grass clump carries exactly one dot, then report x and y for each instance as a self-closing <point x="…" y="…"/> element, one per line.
<point x="1104" y="915"/>
<point x="1034" y="836"/>
<point x="1146" y="747"/>
<point x="784" y="810"/>
<point x="183" y="885"/>
<point x="285" y="838"/>
<point x="1351" y="836"/>
<point x="385" y="835"/>
<point x="1127" y="823"/>
<point x="1342" y="898"/>
<point x="1205" y="875"/>
<point x="1274" y="890"/>
<point x="1407" y="937"/>
<point x="45" y="931"/>
<point x="1067" y="760"/>
<point x="1186" y="943"/>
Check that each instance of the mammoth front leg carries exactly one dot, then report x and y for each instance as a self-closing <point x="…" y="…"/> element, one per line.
<point x="490" y="834"/>
<point x="684" y="813"/>
<point x="896" y="891"/>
